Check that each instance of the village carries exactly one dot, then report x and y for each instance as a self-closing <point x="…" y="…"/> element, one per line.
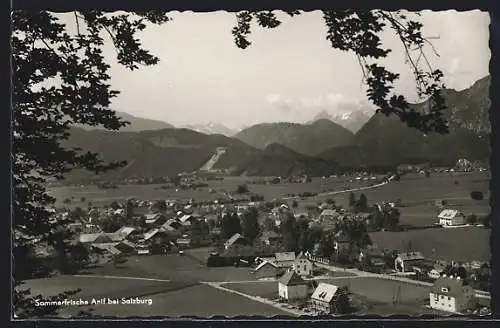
<point x="298" y="250"/>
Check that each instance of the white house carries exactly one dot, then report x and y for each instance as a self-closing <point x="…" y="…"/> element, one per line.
<point x="450" y="217"/>
<point x="451" y="295"/>
<point x="323" y="298"/>
<point x="292" y="287"/>
<point x="302" y="266"/>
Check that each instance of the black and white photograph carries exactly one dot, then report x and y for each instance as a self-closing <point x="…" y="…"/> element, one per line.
<point x="185" y="164"/>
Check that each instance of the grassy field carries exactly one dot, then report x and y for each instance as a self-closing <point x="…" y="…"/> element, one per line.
<point x="151" y="192"/>
<point x="418" y="195"/>
<point x="376" y="295"/>
<point x="458" y="244"/>
<point x="174" y="267"/>
<point x="168" y="298"/>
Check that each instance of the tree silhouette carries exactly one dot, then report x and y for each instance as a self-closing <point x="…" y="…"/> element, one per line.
<point x="251" y="228"/>
<point x="60" y="79"/>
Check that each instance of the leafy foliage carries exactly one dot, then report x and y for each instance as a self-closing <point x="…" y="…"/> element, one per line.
<point x="358" y="31"/>
<point x="60" y="80"/>
<point x="251" y="228"/>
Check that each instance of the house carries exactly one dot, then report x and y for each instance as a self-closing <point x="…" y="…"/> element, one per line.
<point x="154" y="219"/>
<point x="107" y="248"/>
<point x="125" y="247"/>
<point x="171" y="225"/>
<point x="324" y="297"/>
<point x="404" y="262"/>
<point x="183" y="242"/>
<point x="271" y="238"/>
<point x="328" y="214"/>
<point x="302" y="266"/>
<point x="450" y="294"/>
<point x="157" y="236"/>
<point x="187" y="220"/>
<point x="434" y="274"/>
<point x="292" y="287"/>
<point x="94" y="238"/>
<point x="284" y="259"/>
<point x="236" y="239"/>
<point x="450" y="217"/>
<point x="266" y="269"/>
<point x="127" y="232"/>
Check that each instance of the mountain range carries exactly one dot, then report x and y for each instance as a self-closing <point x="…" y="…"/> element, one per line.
<point x="316" y="148"/>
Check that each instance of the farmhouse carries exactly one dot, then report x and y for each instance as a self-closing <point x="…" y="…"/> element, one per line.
<point x="285" y="259"/>
<point x="450" y="217"/>
<point x="404" y="262"/>
<point x="154" y="219"/>
<point x="450" y="294"/>
<point x="292" y="287"/>
<point x="235" y="240"/>
<point x="266" y="269"/>
<point x="127" y="232"/>
<point x="302" y="266"/>
<point x="324" y="297"/>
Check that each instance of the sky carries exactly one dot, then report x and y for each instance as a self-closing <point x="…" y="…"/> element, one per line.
<point x="289" y="73"/>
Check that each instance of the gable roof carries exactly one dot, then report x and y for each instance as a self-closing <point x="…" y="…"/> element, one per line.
<point x="125" y="231"/>
<point x="301" y="256"/>
<point x="151" y="233"/>
<point x="265" y="263"/>
<point x="453" y="286"/>
<point x="448" y="214"/>
<point x="152" y="217"/>
<point x="233" y="239"/>
<point x="324" y="292"/>
<point x="94" y="238"/>
<point x="115" y="236"/>
<point x="186" y="217"/>
<point x="285" y="256"/>
<point x="409" y="256"/>
<point x="290" y="278"/>
<point x="109" y="247"/>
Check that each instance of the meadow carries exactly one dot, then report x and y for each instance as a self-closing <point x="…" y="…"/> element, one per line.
<point x="172" y="299"/>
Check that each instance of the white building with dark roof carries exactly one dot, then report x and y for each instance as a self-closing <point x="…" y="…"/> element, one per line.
<point x="323" y="298"/>
<point x="450" y="294"/>
<point x="292" y="287"/>
<point x="449" y="217"/>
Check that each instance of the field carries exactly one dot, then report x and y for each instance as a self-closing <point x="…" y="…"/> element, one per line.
<point x="458" y="244"/>
<point x="152" y="192"/>
<point x="168" y="298"/>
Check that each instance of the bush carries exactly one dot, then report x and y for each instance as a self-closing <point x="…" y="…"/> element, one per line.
<point x="241" y="189"/>
<point x="477" y="195"/>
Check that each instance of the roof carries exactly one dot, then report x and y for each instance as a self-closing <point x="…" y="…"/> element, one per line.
<point x="127" y="242"/>
<point x="409" y="256"/>
<point x="151" y="233"/>
<point x="324" y="292"/>
<point x="115" y="236"/>
<point x="447" y="286"/>
<point x="301" y="256"/>
<point x="125" y="231"/>
<point x="264" y="263"/>
<point x="94" y="237"/>
<point x="290" y="278"/>
<point x="152" y="216"/>
<point x="110" y="247"/>
<point x="232" y="240"/>
<point x="185" y="218"/>
<point x="286" y="256"/>
<point x="448" y="214"/>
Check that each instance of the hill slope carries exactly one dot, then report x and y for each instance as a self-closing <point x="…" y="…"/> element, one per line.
<point x="171" y="151"/>
<point x="307" y="139"/>
<point x="136" y="124"/>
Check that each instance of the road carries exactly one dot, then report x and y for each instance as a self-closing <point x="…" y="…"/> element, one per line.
<point x="331" y="193"/>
